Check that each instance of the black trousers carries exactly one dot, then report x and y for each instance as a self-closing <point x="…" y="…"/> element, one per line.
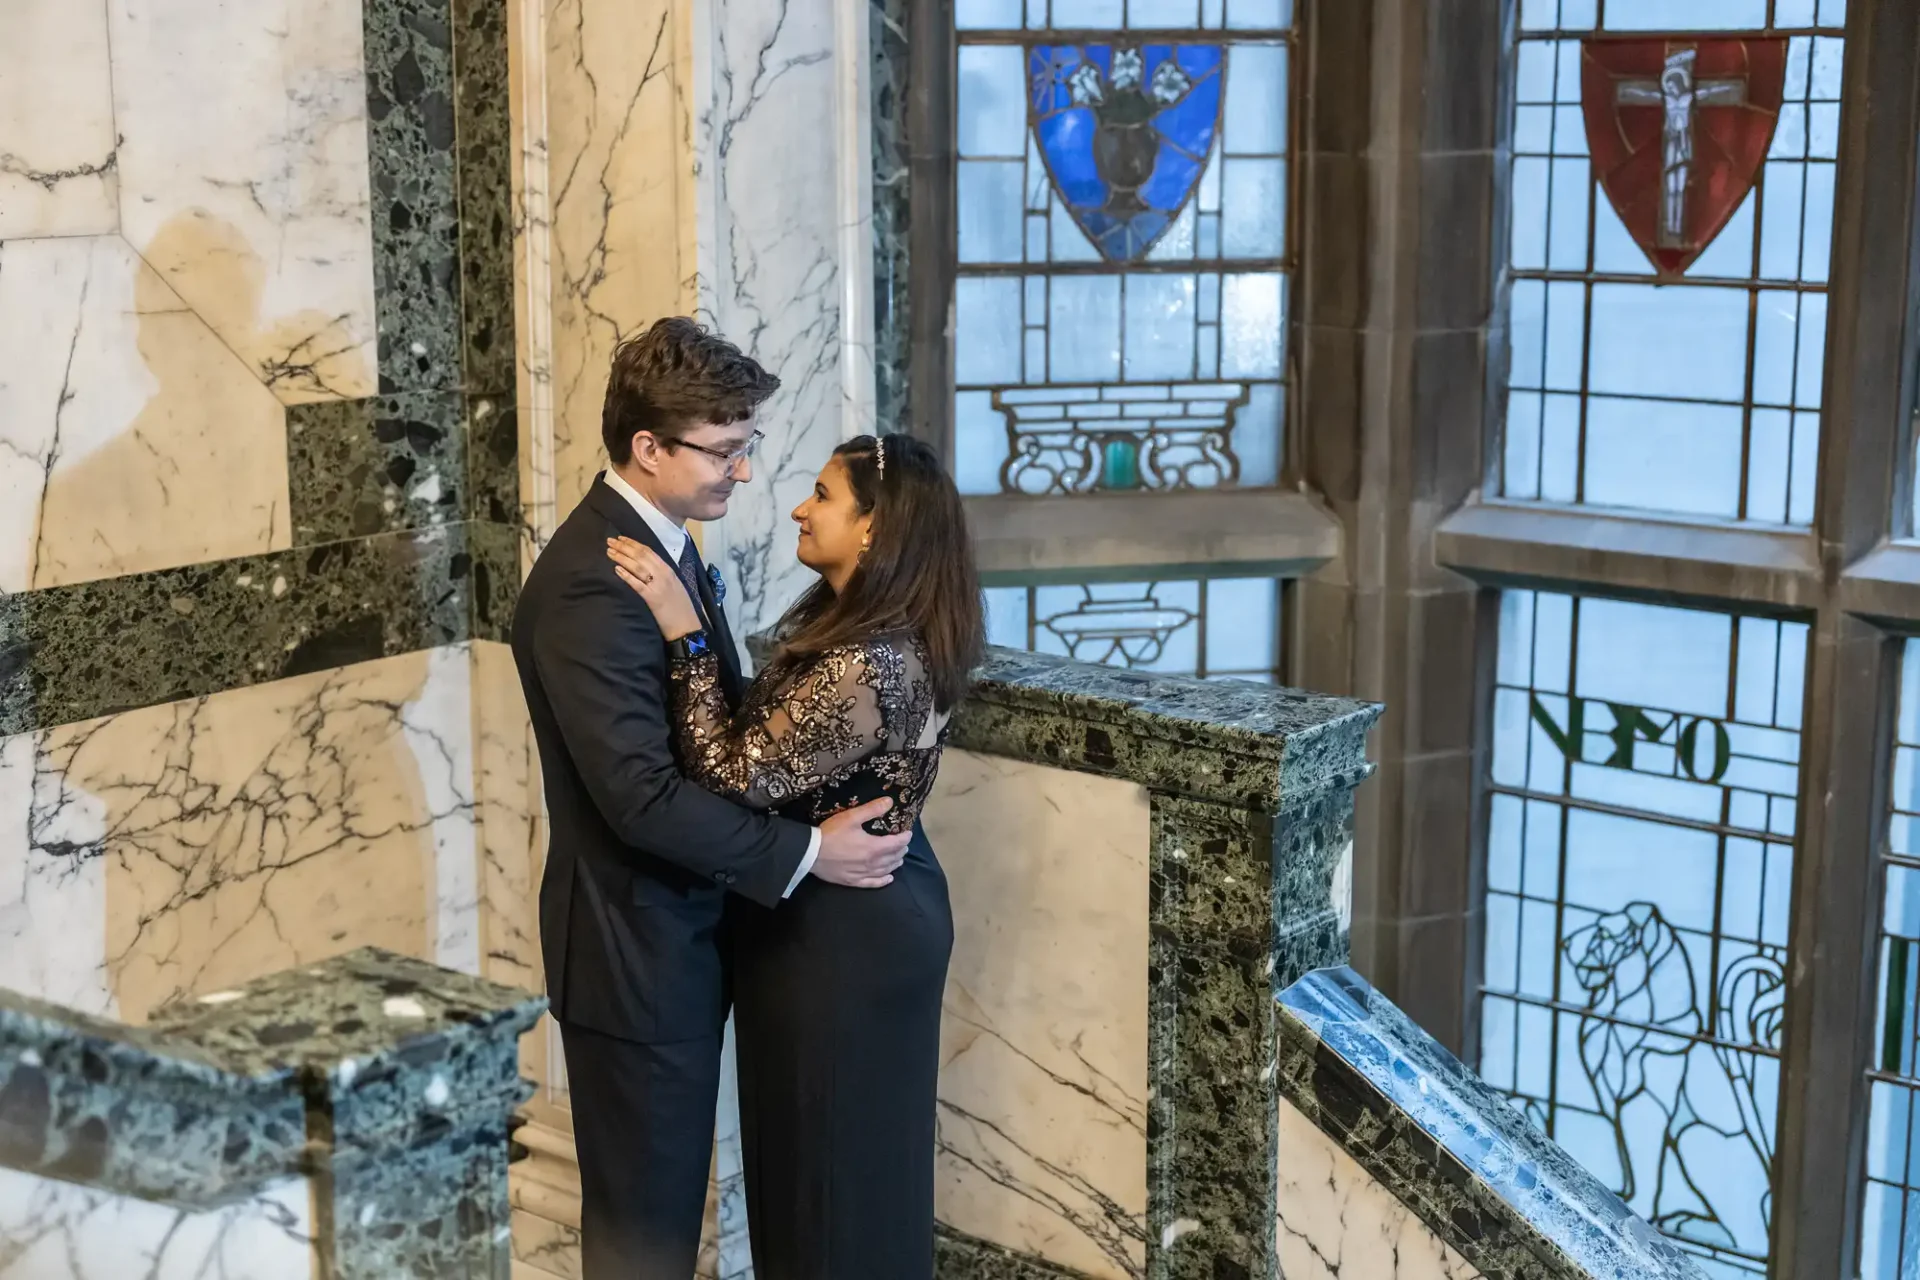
<point x="643" y="1130"/>
<point x="837" y="1005"/>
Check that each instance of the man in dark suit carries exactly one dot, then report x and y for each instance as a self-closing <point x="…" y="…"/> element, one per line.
<point x="639" y="861"/>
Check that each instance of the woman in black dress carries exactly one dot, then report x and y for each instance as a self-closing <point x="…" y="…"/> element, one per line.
<point x="837" y="992"/>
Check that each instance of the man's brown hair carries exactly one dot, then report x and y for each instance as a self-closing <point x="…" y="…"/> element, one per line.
<point x="673" y="376"/>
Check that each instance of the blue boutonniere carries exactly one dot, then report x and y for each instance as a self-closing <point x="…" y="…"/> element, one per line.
<point x="718" y="583"/>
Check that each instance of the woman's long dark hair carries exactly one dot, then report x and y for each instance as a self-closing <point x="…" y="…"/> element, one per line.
<point x="917" y="574"/>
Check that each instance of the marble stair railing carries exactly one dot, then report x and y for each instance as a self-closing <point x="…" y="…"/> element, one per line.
<point x="365" y="1101"/>
<point x="1153" y="1066"/>
<point x="1137" y="865"/>
<point x="1378" y="1115"/>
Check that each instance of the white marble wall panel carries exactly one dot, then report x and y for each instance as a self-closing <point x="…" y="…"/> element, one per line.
<point x="785" y="256"/>
<point x="199" y="844"/>
<point x="53" y="904"/>
<point x="57" y="148"/>
<point x="619" y="205"/>
<point x="511" y="836"/>
<point x="533" y="300"/>
<point x="677" y="158"/>
<point x="438" y="727"/>
<point x="133" y="438"/>
<point x="1043" y="1076"/>
<point x="57" y="1231"/>
<point x="1334" y="1220"/>
<point x="243" y="178"/>
<point x="543" y="1249"/>
<point x="726" y="1251"/>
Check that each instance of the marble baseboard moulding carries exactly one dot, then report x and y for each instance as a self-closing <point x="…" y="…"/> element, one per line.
<point x="344" y="1119"/>
<point x="1494" y="1190"/>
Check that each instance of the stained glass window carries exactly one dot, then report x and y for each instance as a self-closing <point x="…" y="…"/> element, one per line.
<point x="1671" y="208"/>
<point x="1207" y="627"/>
<point x="1640" y="852"/>
<point x="1122" y="245"/>
<point x="1890" y="1231"/>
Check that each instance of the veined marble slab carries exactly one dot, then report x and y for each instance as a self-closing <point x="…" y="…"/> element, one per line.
<point x="59" y="1231"/>
<point x="243" y="178"/>
<point x="57" y="146"/>
<point x="784" y="228"/>
<point x="509" y="811"/>
<point x="192" y="845"/>
<point x="1043" y="1074"/>
<point x="437" y="726"/>
<point x="135" y="438"/>
<point x="619" y="206"/>
<point x="1334" y="1219"/>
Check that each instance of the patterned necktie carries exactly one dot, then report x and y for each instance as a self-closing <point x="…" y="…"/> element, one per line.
<point x="689" y="567"/>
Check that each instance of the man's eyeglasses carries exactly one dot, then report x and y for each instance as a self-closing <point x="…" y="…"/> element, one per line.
<point x="732" y="458"/>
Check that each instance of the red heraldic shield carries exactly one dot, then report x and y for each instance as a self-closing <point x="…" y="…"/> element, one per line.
<point x="1678" y="127"/>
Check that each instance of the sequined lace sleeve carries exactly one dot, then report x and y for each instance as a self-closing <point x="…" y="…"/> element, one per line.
<point x="825" y="718"/>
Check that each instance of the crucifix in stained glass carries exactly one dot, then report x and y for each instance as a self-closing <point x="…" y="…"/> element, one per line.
<point x="1670" y="224"/>
<point x="1679" y="98"/>
<point x="1678" y="127"/>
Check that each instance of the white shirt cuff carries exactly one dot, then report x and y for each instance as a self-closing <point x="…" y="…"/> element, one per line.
<point x="806" y="864"/>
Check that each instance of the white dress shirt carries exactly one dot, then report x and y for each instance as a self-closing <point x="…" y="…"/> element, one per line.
<point x="673" y="540"/>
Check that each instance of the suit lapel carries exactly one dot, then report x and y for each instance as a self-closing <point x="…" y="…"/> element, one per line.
<point x="620" y="514"/>
<point x="723" y="639"/>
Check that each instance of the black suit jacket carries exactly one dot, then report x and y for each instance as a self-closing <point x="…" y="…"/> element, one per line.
<point x="639" y="860"/>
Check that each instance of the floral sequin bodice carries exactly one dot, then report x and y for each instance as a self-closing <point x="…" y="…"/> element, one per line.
<point x="854" y="724"/>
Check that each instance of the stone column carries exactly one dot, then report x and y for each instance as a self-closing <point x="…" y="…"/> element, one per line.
<point x="703" y="157"/>
<point x="707" y="159"/>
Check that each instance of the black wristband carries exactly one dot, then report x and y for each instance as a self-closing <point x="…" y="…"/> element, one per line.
<point x="691" y="645"/>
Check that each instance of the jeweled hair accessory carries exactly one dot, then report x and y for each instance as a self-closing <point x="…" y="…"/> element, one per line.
<point x="880" y="454"/>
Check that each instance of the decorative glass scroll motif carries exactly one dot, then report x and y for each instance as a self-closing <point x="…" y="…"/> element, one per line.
<point x="1671" y="208"/>
<point x="1122" y="248"/>
<point x="1890" y="1223"/>
<point x="1639" y="877"/>
<point x="1206" y="627"/>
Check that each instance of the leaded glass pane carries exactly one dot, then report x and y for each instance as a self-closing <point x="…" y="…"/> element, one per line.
<point x="1890" y="1225"/>
<point x="1122" y="244"/>
<point x="1214" y="628"/>
<point x="1671" y="213"/>
<point x="1145" y="15"/>
<point x="1640" y="852"/>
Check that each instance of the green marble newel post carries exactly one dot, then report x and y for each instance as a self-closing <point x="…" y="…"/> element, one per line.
<point x="429" y="1199"/>
<point x="1243" y="902"/>
<point x="386" y="1082"/>
<point x="1250" y="797"/>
